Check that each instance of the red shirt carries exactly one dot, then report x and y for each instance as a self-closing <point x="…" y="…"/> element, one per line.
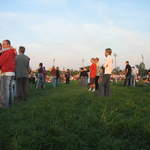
<point x="8" y="61"/>
<point x="93" y="71"/>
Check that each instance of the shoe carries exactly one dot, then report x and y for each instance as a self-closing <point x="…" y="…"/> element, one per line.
<point x="93" y="90"/>
<point x="89" y="89"/>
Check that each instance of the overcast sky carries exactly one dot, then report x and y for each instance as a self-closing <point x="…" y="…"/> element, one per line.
<point x="72" y="30"/>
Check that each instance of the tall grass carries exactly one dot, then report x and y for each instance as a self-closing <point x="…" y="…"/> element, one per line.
<point x="71" y="118"/>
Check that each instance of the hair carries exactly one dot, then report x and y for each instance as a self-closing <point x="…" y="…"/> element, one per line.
<point x="8" y="42"/>
<point x="109" y="51"/>
<point x="97" y="58"/>
<point x="0" y="46"/>
<point x="127" y="62"/>
<point x="41" y="64"/>
<point x="22" y="49"/>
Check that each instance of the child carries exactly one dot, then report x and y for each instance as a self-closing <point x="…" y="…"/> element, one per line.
<point x="92" y="75"/>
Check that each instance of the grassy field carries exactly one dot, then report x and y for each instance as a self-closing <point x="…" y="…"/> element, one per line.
<point x="71" y="118"/>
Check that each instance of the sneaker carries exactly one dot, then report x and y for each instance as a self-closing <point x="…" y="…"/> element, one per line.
<point x="90" y="89"/>
<point x="93" y="90"/>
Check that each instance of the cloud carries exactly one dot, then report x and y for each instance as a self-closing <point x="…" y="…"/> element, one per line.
<point x="47" y="37"/>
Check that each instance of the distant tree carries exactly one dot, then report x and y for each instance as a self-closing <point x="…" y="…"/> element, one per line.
<point x="117" y="70"/>
<point x="142" y="69"/>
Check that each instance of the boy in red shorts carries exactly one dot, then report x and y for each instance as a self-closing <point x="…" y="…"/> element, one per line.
<point x="92" y="75"/>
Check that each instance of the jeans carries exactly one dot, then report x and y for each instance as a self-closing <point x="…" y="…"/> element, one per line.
<point x="127" y="81"/>
<point x="40" y="81"/>
<point x="6" y="91"/>
<point x="54" y="81"/>
<point x="106" y="84"/>
<point x="57" y="81"/>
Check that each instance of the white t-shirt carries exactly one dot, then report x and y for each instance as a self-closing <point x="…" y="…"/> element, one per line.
<point x="108" y="65"/>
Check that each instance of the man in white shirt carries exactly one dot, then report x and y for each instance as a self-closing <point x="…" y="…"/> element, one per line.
<point x="108" y="66"/>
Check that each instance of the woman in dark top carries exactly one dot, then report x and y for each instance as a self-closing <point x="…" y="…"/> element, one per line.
<point x="57" y="76"/>
<point x="40" y="77"/>
<point x="128" y="71"/>
<point x="67" y="75"/>
<point x="84" y="77"/>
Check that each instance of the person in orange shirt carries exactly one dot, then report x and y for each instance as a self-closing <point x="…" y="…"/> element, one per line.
<point x="92" y="75"/>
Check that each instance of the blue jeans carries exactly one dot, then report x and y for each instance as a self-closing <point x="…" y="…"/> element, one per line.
<point x="40" y="81"/>
<point x="57" y="81"/>
<point x="54" y="81"/>
<point x="6" y="91"/>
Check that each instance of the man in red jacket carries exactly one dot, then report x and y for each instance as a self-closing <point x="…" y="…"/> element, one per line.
<point x="8" y="65"/>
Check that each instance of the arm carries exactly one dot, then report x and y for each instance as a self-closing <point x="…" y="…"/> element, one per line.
<point x="108" y="61"/>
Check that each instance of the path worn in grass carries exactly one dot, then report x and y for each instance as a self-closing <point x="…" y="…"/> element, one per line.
<point x="70" y="118"/>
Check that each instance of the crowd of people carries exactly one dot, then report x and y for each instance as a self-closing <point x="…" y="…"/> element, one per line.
<point x="16" y="75"/>
<point x="99" y="77"/>
<point x="56" y="76"/>
<point x="14" y="70"/>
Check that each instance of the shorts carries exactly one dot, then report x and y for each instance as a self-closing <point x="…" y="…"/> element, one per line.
<point x="92" y="80"/>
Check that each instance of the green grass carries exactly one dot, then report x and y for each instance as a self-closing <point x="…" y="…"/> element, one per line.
<point x="71" y="118"/>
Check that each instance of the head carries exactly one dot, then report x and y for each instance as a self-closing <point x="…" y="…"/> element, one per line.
<point x="149" y="72"/>
<point x="127" y="62"/>
<point x="85" y="69"/>
<point x="96" y="59"/>
<point x="81" y="69"/>
<point x="21" y="50"/>
<point x="108" y="51"/>
<point x="57" y="68"/>
<point x="92" y="60"/>
<point x="6" y="44"/>
<point x="41" y="65"/>
<point x="0" y="46"/>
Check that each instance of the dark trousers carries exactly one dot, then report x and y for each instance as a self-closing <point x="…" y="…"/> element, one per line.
<point x="96" y="83"/>
<point x="127" y="81"/>
<point x="106" y="84"/>
<point x="67" y="80"/>
<point x="22" y="84"/>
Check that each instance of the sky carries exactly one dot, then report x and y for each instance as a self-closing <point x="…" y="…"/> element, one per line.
<point x="70" y="31"/>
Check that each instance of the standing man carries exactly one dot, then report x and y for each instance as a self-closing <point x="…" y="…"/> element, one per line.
<point x="57" y="76"/>
<point x="22" y="72"/>
<point x="8" y="66"/>
<point x="108" y="67"/>
<point x="128" y="71"/>
<point x="67" y="75"/>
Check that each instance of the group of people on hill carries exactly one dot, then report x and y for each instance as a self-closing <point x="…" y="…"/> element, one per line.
<point x="99" y="77"/>
<point x="131" y="74"/>
<point x="56" y="76"/>
<point x="14" y="70"/>
<point x="15" y="73"/>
